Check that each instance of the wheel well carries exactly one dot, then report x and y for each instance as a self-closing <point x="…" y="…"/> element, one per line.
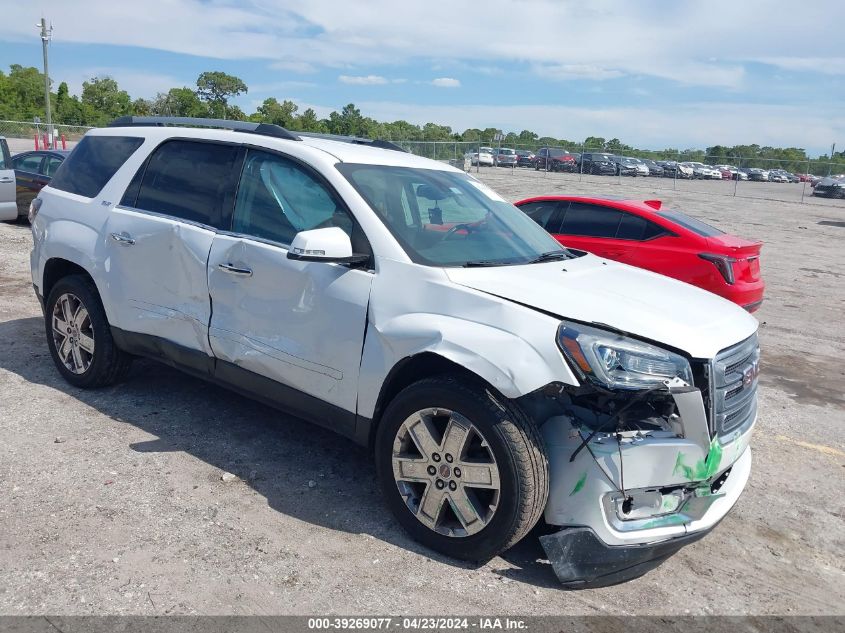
<point x="408" y="371"/>
<point x="56" y="269"/>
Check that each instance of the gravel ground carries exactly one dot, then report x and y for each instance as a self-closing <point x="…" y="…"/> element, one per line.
<point x="114" y="501"/>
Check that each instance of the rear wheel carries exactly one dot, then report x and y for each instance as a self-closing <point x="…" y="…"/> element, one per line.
<point x="464" y="471"/>
<point x="79" y="336"/>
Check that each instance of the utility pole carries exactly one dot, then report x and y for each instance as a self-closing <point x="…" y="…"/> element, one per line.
<point x="46" y="34"/>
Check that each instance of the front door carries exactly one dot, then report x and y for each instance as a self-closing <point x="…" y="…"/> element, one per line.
<point x="157" y="242"/>
<point x="292" y="329"/>
<point x="8" y="205"/>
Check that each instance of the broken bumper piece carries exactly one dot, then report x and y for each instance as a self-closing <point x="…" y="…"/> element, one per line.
<point x="582" y="561"/>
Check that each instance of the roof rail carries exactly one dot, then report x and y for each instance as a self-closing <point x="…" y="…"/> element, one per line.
<point x="355" y="140"/>
<point x="265" y="129"/>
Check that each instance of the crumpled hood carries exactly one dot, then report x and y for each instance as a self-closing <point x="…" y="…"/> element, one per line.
<point x="594" y="290"/>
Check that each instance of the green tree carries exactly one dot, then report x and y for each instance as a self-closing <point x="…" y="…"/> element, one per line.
<point x="179" y="102"/>
<point x="308" y="122"/>
<point x="215" y="88"/>
<point x="347" y="122"/>
<point x="103" y="100"/>
<point x="594" y="142"/>
<point x="271" y="111"/>
<point x="68" y="110"/>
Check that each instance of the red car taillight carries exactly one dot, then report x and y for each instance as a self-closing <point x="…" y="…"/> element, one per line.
<point x="723" y="263"/>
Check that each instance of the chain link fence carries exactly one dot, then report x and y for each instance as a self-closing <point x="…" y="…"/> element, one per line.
<point x="688" y="170"/>
<point x="787" y="180"/>
<point x="23" y="136"/>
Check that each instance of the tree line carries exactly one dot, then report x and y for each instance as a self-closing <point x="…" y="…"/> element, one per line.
<point x="102" y="100"/>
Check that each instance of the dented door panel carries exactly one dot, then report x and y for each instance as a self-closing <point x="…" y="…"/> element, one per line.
<point x="155" y="268"/>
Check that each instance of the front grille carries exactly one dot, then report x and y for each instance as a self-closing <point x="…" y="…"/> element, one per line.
<point x="733" y="387"/>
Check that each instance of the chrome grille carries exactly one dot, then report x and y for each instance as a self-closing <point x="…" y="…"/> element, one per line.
<point x="733" y="386"/>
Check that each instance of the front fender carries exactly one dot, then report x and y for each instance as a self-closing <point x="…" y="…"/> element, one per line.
<point x="508" y="362"/>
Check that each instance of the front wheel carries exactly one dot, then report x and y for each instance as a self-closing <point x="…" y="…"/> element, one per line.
<point x="463" y="470"/>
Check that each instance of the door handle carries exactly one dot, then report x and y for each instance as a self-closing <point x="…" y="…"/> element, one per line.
<point x="124" y="239"/>
<point x="7" y="180"/>
<point x="235" y="270"/>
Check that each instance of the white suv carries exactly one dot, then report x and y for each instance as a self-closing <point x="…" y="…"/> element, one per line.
<point x="496" y="376"/>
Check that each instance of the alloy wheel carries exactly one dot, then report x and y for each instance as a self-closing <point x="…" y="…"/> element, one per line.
<point x="446" y="472"/>
<point x="73" y="333"/>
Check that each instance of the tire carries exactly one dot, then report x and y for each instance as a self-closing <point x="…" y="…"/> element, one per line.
<point x="512" y="442"/>
<point x="104" y="364"/>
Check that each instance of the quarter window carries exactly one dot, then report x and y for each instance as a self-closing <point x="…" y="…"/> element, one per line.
<point x="278" y="198"/>
<point x="632" y="227"/>
<point x="191" y="180"/>
<point x="51" y="164"/>
<point x="93" y="162"/>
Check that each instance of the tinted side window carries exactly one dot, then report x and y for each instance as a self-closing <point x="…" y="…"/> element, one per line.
<point x="590" y="220"/>
<point x="93" y="162"/>
<point x="631" y="227"/>
<point x="278" y="198"/>
<point x="541" y="212"/>
<point x="191" y="180"/>
<point x="30" y="163"/>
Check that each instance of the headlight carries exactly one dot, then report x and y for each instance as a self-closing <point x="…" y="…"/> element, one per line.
<point x="618" y="362"/>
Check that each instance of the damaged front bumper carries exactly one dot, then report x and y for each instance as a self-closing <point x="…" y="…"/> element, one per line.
<point x="630" y="500"/>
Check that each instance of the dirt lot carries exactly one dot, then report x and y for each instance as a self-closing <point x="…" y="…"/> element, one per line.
<point x="112" y="501"/>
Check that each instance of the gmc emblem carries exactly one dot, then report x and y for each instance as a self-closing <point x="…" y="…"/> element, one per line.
<point x="750" y="374"/>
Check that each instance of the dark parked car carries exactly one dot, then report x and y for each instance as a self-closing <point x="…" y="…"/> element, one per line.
<point x="597" y="163"/>
<point x="524" y="158"/>
<point x="830" y="187"/>
<point x="625" y="166"/>
<point x="554" y="159"/>
<point x="34" y="170"/>
<point x="654" y="169"/>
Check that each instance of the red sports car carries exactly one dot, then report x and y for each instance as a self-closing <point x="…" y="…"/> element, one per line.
<point x="647" y="235"/>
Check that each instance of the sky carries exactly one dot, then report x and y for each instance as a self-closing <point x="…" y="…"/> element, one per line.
<point x="652" y="73"/>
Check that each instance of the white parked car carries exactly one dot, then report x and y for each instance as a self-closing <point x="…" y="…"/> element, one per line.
<point x="495" y="376"/>
<point x="483" y="156"/>
<point x="700" y="170"/>
<point x="8" y="191"/>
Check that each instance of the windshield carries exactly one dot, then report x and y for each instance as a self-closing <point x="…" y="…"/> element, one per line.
<point x="507" y="152"/>
<point x="445" y="218"/>
<point x="696" y="226"/>
<point x="558" y="152"/>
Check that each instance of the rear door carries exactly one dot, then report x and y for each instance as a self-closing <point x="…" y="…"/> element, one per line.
<point x="158" y="240"/>
<point x="8" y="204"/>
<point x="296" y="327"/>
<point x="28" y="177"/>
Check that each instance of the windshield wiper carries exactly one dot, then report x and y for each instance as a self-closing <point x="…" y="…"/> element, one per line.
<point x="551" y="256"/>
<point x="483" y="262"/>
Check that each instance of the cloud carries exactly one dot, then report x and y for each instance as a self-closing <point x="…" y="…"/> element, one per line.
<point x="368" y="80"/>
<point x="137" y="84"/>
<point x="826" y="66"/>
<point x="446" y="82"/>
<point x="575" y="71"/>
<point x="600" y="40"/>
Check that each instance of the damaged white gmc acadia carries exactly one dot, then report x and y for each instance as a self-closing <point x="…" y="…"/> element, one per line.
<point x="497" y="377"/>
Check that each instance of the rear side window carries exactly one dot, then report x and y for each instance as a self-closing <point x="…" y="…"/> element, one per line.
<point x="590" y="220"/>
<point x="632" y="227"/>
<point x="92" y="164"/>
<point x="191" y="180"/>
<point x="690" y="223"/>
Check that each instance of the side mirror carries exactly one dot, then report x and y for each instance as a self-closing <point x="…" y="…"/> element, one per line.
<point x="329" y="245"/>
